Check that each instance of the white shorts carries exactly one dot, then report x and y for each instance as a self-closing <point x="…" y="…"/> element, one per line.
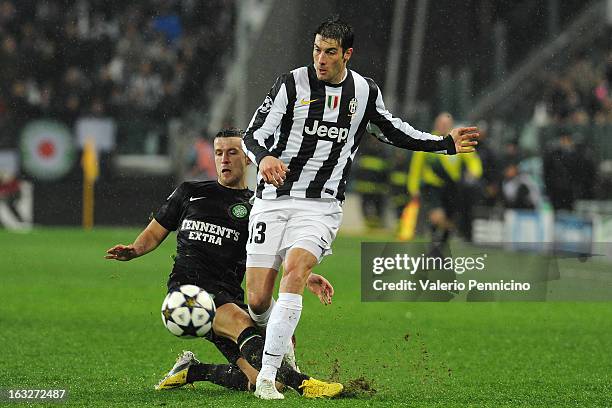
<point x="276" y="226"/>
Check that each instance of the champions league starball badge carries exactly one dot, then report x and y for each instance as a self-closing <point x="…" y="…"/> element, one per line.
<point x="266" y="105"/>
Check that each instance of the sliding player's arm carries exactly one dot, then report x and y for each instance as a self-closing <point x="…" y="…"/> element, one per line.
<point x="166" y="219"/>
<point x="147" y="241"/>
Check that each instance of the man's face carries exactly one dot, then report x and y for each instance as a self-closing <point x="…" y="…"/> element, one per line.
<point x="443" y="124"/>
<point x="329" y="59"/>
<point x="230" y="162"/>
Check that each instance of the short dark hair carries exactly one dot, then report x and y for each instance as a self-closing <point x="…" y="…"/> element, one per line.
<point x="230" y="132"/>
<point x="336" y="29"/>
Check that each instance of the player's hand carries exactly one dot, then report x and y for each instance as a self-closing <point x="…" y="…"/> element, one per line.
<point x="121" y="253"/>
<point x="320" y="287"/>
<point x="465" y="139"/>
<point x="273" y="171"/>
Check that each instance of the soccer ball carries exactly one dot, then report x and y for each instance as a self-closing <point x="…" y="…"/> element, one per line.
<point x="188" y="311"/>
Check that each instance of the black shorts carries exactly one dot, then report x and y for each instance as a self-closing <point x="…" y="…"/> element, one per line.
<point x="221" y="293"/>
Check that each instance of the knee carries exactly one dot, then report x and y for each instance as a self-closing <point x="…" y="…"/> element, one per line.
<point x="258" y="303"/>
<point x="299" y="261"/>
<point x="296" y="266"/>
<point x="297" y="271"/>
<point x="231" y="313"/>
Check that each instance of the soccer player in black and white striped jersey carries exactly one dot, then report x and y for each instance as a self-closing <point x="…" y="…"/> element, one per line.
<point x="304" y="137"/>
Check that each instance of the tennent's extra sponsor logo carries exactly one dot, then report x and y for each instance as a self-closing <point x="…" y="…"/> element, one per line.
<point x="208" y="232"/>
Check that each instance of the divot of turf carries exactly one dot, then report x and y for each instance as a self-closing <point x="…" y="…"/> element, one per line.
<point x="335" y="371"/>
<point x="361" y="387"/>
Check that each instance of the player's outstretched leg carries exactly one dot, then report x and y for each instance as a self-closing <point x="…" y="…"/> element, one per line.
<point x="226" y="375"/>
<point x="251" y="346"/>
<point x="188" y="369"/>
<point x="261" y="321"/>
<point x="287" y="311"/>
<point x="177" y="376"/>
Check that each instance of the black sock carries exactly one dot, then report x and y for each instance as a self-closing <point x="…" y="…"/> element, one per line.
<point x="290" y="377"/>
<point x="252" y="346"/>
<point x="226" y="375"/>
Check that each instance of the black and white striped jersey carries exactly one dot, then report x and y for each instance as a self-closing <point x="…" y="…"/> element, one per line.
<point x="316" y="127"/>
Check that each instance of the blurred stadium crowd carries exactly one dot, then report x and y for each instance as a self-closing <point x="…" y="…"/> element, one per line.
<point x="140" y="64"/>
<point x="582" y="92"/>
<point x="65" y="59"/>
<point x="568" y="161"/>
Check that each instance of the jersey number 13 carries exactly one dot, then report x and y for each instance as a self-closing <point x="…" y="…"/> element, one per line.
<point x="258" y="233"/>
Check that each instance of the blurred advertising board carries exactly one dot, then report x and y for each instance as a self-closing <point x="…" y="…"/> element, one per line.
<point x="101" y="130"/>
<point x="528" y="230"/>
<point x="47" y="150"/>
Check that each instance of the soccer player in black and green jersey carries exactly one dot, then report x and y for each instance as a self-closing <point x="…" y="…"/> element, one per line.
<point x="211" y="220"/>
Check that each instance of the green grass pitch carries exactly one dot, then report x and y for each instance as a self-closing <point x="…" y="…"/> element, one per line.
<point x="70" y="319"/>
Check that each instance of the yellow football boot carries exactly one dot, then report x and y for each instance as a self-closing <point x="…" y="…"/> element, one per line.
<point x="177" y="376"/>
<point x="313" y="388"/>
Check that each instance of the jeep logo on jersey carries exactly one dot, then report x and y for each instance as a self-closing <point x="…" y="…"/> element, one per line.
<point x="326" y="130"/>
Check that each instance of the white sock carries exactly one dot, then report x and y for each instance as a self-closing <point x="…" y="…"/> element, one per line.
<point x="261" y="320"/>
<point x="282" y="324"/>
